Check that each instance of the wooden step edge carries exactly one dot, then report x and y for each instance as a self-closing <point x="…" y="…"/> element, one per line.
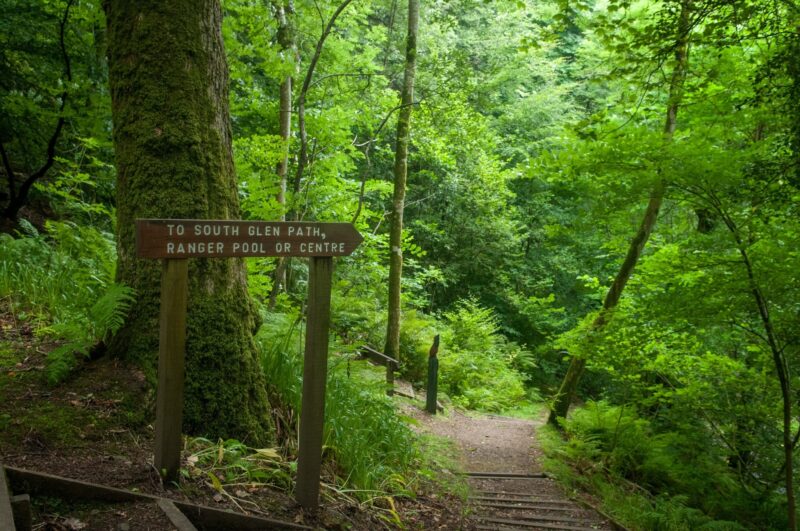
<point x="23" y="516"/>
<point x="526" y="499"/>
<point x="552" y="518"/>
<point x="532" y="525"/>
<point x="531" y="507"/>
<point x="175" y="516"/>
<point x="576" y="500"/>
<point x="504" y="475"/>
<point x="201" y="516"/>
<point x="6" y="512"/>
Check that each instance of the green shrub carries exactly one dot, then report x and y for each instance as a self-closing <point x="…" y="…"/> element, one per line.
<point x="417" y="331"/>
<point x="478" y="367"/>
<point x="80" y="333"/>
<point x="475" y="362"/>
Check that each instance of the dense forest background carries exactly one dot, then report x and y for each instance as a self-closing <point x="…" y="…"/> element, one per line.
<point x="545" y="137"/>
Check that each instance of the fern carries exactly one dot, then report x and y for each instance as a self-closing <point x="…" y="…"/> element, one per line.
<point x="81" y="333"/>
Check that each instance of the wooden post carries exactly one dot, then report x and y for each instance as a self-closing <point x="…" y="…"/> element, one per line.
<point x="315" y="372"/>
<point x="433" y="377"/>
<point x="21" y="505"/>
<point x="6" y="513"/>
<point x="171" y="353"/>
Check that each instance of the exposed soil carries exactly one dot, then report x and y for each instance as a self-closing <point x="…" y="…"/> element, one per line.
<point x="488" y="443"/>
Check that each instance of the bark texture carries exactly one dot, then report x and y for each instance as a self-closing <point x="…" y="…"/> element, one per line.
<point x="569" y="385"/>
<point x="172" y="138"/>
<point x="392" y="347"/>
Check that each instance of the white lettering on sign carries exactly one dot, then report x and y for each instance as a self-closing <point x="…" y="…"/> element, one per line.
<point x="249" y="247"/>
<point x="263" y="231"/>
<point x="182" y="238"/>
<point x="176" y="229"/>
<point x="196" y="247"/>
<point x="216" y="230"/>
<point x="304" y="231"/>
<point x="321" y="247"/>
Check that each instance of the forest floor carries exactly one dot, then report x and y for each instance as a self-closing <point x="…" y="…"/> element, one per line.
<point x="92" y="428"/>
<point x="503" y="463"/>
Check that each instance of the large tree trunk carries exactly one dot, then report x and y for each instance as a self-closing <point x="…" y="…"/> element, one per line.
<point x="172" y="137"/>
<point x="569" y="385"/>
<point x="392" y="347"/>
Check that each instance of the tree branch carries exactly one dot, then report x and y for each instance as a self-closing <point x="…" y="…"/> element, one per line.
<point x="302" y="159"/>
<point x="22" y="197"/>
<point x="12" y="185"/>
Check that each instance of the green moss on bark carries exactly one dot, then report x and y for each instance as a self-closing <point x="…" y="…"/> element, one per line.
<point x="172" y="137"/>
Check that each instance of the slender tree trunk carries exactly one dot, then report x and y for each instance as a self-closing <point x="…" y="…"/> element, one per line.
<point x="286" y="41"/>
<point x="294" y="212"/>
<point x="279" y="280"/>
<point x="172" y="138"/>
<point x="779" y="360"/>
<point x="392" y="347"/>
<point x="569" y="385"/>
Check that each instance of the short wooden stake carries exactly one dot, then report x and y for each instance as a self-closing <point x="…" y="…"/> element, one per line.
<point x="315" y="373"/>
<point x="433" y="377"/>
<point x="171" y="362"/>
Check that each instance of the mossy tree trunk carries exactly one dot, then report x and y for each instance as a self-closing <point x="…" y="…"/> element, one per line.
<point x="172" y="137"/>
<point x="392" y="347"/>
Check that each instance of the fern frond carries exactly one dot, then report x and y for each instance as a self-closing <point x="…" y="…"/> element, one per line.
<point x="107" y="315"/>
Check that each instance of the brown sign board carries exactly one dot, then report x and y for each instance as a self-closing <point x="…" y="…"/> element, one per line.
<point x="196" y="238"/>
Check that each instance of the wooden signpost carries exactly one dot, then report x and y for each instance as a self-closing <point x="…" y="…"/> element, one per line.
<point x="177" y="240"/>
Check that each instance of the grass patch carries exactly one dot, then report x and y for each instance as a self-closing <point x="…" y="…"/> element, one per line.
<point x="526" y="411"/>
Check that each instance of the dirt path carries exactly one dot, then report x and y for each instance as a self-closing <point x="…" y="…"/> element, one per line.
<point x="503" y="465"/>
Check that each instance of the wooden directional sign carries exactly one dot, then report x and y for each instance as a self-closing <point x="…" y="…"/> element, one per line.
<point x="195" y="238"/>
<point x="177" y="240"/>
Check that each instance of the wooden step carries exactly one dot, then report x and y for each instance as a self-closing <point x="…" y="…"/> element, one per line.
<point x="6" y="512"/>
<point x="530" y="506"/>
<point x="527" y="498"/>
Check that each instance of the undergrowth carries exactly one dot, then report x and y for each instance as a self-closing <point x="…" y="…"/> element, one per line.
<point x="476" y="364"/>
<point x="369" y="449"/>
<point x="63" y="282"/>
<point x="478" y="367"/>
<point x="638" y="472"/>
